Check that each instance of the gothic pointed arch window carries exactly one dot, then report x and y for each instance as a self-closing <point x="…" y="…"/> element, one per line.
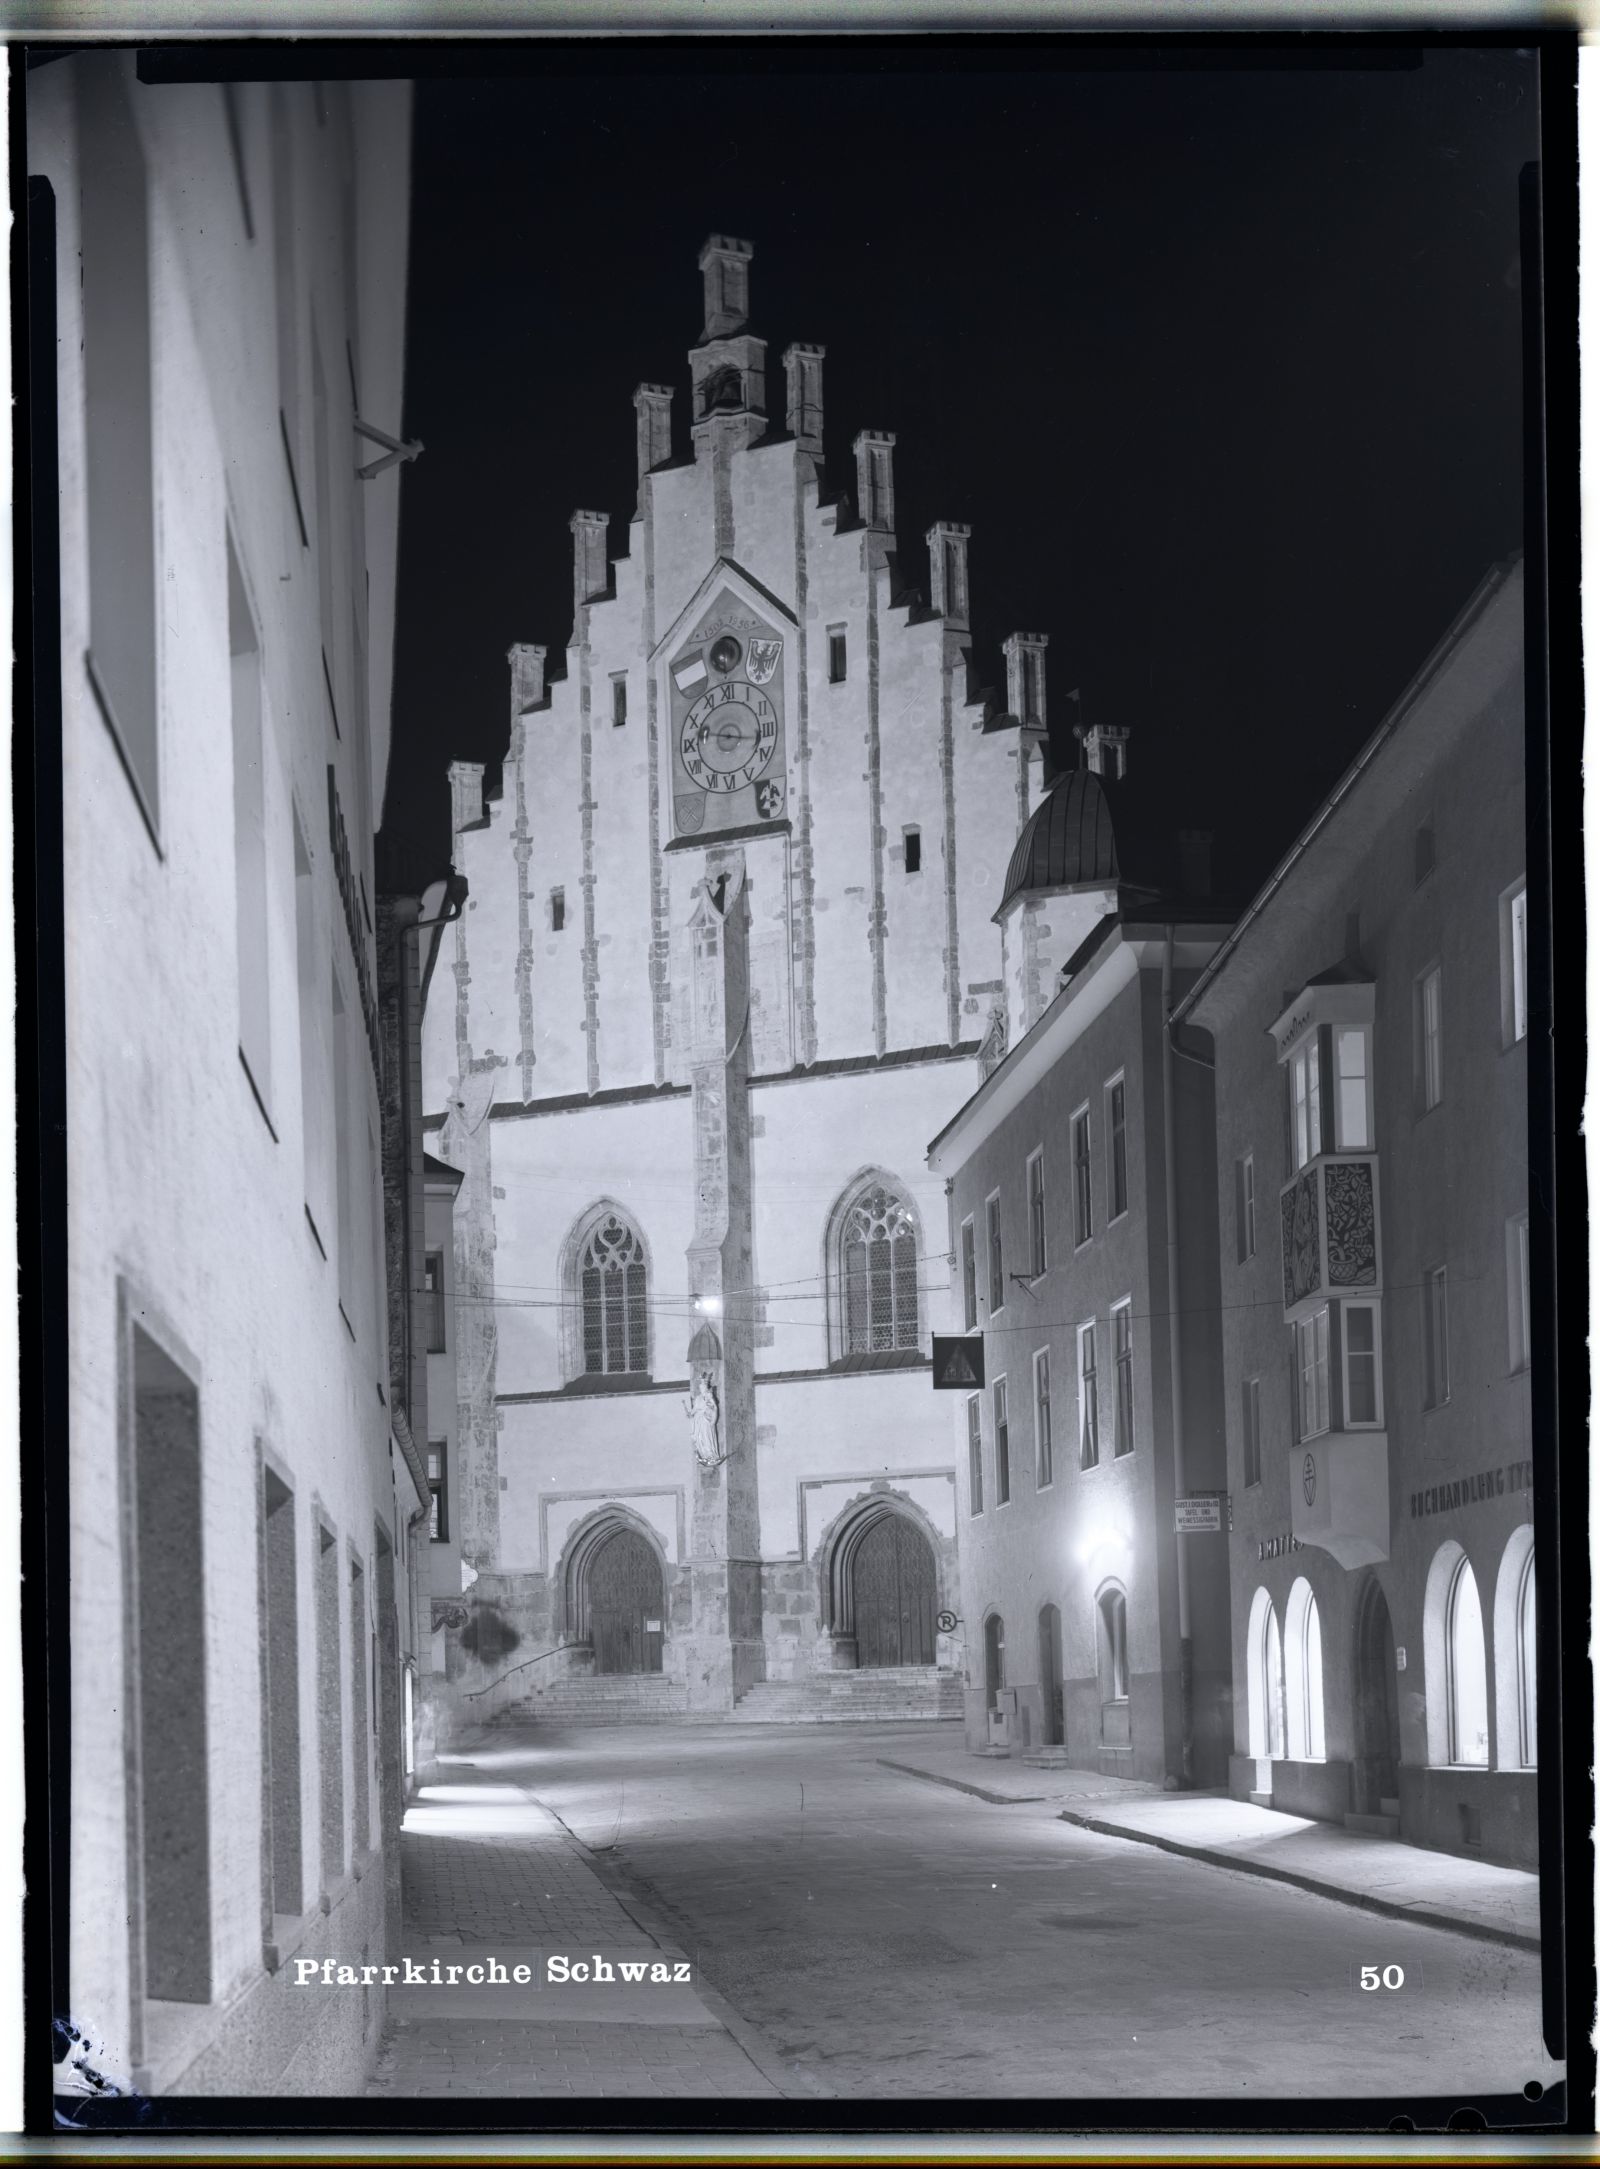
<point x="612" y="1297"/>
<point x="874" y="1272"/>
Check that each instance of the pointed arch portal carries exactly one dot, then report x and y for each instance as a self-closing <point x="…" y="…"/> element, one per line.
<point x="883" y="1585"/>
<point x="615" y="1596"/>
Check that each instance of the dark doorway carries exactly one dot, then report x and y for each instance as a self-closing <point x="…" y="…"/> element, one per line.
<point x="625" y="1605"/>
<point x="994" y="1657"/>
<point x="1053" y="1729"/>
<point x="894" y="1580"/>
<point x="1377" y="1770"/>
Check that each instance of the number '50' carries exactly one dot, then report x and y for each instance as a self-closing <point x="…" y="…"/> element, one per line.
<point x="1389" y="1977"/>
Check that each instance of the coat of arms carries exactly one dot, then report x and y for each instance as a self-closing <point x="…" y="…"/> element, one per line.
<point x="762" y="658"/>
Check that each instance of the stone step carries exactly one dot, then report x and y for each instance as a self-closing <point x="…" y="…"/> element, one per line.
<point x="885" y="1694"/>
<point x="1374" y="1826"/>
<point x="1389" y="1807"/>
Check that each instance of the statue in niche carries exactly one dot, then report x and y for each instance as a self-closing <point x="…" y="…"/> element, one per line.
<point x="704" y="1416"/>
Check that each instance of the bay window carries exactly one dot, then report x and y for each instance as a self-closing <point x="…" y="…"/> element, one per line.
<point x="1305" y="1102"/>
<point x="1311" y="1372"/>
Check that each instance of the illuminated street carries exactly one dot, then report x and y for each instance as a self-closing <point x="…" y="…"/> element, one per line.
<point x="879" y="1934"/>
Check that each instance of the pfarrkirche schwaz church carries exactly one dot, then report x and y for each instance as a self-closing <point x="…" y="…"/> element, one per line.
<point x="730" y="960"/>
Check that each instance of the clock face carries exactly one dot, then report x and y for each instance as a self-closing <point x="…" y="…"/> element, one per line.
<point x="729" y="736"/>
<point x="725" y="746"/>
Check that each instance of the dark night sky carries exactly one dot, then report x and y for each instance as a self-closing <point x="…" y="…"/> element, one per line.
<point x="1222" y="364"/>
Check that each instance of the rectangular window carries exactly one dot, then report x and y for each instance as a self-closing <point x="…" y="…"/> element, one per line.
<point x="836" y="655"/>
<point x="1519" y="1307"/>
<point x="287" y="296"/>
<point x="1122" y="1349"/>
<point x="1244" y="1206"/>
<point x="1363" y="1376"/>
<point x="1117" y="1142"/>
<point x="249" y="837"/>
<point x="1435" y="1338"/>
<point x="433" y="1301"/>
<point x="438" y="1503"/>
<point x="311" y="979"/>
<point x="1352" y="1101"/>
<point x="558" y="910"/>
<point x="118" y="423"/>
<point x="360" y="1698"/>
<point x="344" y="1151"/>
<point x="1002" y="1445"/>
<point x="913" y="844"/>
<point x="619" y="702"/>
<point x="1311" y="1352"/>
<point x="1082" y="1191"/>
<point x="1305" y="1101"/>
<point x="167" y="1634"/>
<point x="1044" y="1448"/>
<point x="1250" y="1415"/>
<point x="1430" y="1039"/>
<point x="233" y="116"/>
<point x="330" y="1708"/>
<point x="327" y="532"/>
<point x="969" y="1277"/>
<point x="1425" y="854"/>
<point x="1514" y="964"/>
<point x="1036" y="1248"/>
<point x="974" y="1455"/>
<point x="281" y="1722"/>
<point x="1088" y="1399"/>
<point x="997" y="1265"/>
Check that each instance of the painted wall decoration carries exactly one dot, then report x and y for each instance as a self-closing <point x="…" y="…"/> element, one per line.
<point x="1352" y="1229"/>
<point x="1302" y="1240"/>
<point x="728" y="747"/>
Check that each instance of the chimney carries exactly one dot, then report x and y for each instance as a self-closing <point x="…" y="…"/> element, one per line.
<point x="590" y="571"/>
<point x="1194" y="861"/>
<point x="1024" y="653"/>
<point x="725" y="267"/>
<point x="802" y="368"/>
<point x="652" y="404"/>
<point x="466" y="795"/>
<point x="947" y="567"/>
<point x="1105" y="750"/>
<point x="875" y="479"/>
<point x="527" y="678"/>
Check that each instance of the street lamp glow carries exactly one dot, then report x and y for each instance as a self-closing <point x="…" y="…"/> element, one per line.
<point x="1106" y="1544"/>
<point x="709" y="1306"/>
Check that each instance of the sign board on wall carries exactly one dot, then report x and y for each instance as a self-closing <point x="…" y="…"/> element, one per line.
<point x="957" y="1362"/>
<point x="1200" y="1512"/>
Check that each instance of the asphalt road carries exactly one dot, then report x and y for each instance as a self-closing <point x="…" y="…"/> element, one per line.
<point x="889" y="1937"/>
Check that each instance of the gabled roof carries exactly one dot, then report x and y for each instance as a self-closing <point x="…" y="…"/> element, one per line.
<point x="723" y="573"/>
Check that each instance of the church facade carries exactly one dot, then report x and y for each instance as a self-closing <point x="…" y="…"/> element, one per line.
<point x="729" y="960"/>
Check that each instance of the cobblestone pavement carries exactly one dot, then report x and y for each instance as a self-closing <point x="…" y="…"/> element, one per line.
<point x="890" y="1938"/>
<point x="490" y="1872"/>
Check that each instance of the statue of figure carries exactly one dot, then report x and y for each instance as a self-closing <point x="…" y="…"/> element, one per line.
<point x="704" y="1415"/>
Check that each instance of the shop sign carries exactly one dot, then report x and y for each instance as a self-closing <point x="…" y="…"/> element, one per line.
<point x="1201" y="1512"/>
<point x="1275" y="1547"/>
<point x="1472" y="1490"/>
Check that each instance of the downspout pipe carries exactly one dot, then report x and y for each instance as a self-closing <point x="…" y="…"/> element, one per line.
<point x="1169" y="1127"/>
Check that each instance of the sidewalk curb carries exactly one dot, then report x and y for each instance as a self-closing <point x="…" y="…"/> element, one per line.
<point x="615" y="1880"/>
<point x="978" y="1792"/>
<point x="1422" y="1916"/>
